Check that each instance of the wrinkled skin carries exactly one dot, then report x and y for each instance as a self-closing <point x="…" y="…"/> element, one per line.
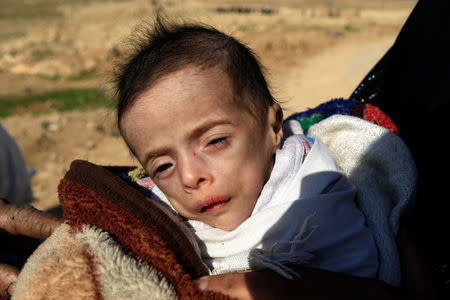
<point x="21" y="227"/>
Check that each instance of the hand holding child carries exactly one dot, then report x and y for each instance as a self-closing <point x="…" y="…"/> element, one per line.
<point x="21" y="226"/>
<point x="314" y="284"/>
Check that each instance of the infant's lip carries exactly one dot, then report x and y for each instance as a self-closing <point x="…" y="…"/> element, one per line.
<point x="208" y="201"/>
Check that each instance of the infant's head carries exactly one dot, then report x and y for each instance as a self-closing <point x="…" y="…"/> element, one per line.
<point x="195" y="110"/>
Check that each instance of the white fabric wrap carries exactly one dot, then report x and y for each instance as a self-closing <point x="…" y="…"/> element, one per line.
<point x="306" y="214"/>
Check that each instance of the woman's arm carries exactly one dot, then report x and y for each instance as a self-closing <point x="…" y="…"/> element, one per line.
<point x="313" y="284"/>
<point x="21" y="228"/>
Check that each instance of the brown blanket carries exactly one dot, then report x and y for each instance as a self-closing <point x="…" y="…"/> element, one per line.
<point x="115" y="244"/>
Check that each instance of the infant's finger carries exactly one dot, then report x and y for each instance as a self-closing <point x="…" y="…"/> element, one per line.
<point x="8" y="278"/>
<point x="28" y="221"/>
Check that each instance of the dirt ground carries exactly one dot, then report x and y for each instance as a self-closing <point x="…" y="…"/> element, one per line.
<point x="313" y="51"/>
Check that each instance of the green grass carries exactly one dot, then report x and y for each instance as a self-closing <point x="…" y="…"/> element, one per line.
<point x="62" y="100"/>
<point x="88" y="74"/>
<point x="352" y="28"/>
<point x="83" y="75"/>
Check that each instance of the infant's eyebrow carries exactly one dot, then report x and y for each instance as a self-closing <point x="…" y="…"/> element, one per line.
<point x="193" y="134"/>
<point x="205" y="126"/>
<point x="154" y="153"/>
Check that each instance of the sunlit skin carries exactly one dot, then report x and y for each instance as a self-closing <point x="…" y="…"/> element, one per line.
<point x="208" y="155"/>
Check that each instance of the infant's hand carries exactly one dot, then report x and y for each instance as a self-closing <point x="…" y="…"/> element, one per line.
<point x="21" y="227"/>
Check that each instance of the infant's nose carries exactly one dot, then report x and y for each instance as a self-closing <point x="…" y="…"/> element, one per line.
<point x="193" y="172"/>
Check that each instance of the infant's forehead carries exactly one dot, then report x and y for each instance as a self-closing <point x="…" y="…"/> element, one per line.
<point x="213" y="79"/>
<point x="189" y="84"/>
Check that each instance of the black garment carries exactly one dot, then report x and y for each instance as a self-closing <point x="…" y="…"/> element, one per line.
<point x="411" y="84"/>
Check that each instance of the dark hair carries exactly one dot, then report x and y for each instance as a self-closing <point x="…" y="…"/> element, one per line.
<point x="166" y="48"/>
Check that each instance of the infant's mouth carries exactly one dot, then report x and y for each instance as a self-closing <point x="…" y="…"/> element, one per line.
<point x="212" y="204"/>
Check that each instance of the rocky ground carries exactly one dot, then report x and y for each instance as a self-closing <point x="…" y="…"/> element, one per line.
<point x="313" y="51"/>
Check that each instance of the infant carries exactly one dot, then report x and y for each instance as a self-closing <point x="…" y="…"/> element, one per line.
<point x="196" y="111"/>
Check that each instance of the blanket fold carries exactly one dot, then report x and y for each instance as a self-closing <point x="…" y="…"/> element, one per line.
<point x="119" y="204"/>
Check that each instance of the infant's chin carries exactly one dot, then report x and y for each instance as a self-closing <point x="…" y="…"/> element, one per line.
<point x="228" y="226"/>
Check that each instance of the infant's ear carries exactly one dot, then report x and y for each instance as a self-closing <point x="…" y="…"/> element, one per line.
<point x="275" y="122"/>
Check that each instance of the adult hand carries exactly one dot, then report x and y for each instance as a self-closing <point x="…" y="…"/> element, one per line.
<point x="313" y="284"/>
<point x="21" y="228"/>
<point x="250" y="285"/>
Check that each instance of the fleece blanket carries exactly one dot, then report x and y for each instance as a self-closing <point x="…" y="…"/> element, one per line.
<point x="116" y="244"/>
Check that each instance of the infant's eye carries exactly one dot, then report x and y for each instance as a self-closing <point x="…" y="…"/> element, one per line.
<point x="161" y="168"/>
<point x="218" y="141"/>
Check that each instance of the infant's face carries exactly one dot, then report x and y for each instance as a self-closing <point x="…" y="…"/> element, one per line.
<point x="209" y="156"/>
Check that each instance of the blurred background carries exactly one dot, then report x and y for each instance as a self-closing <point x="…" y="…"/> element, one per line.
<point x="57" y="61"/>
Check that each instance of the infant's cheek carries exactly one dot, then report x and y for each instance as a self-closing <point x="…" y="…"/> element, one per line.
<point x="253" y="181"/>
